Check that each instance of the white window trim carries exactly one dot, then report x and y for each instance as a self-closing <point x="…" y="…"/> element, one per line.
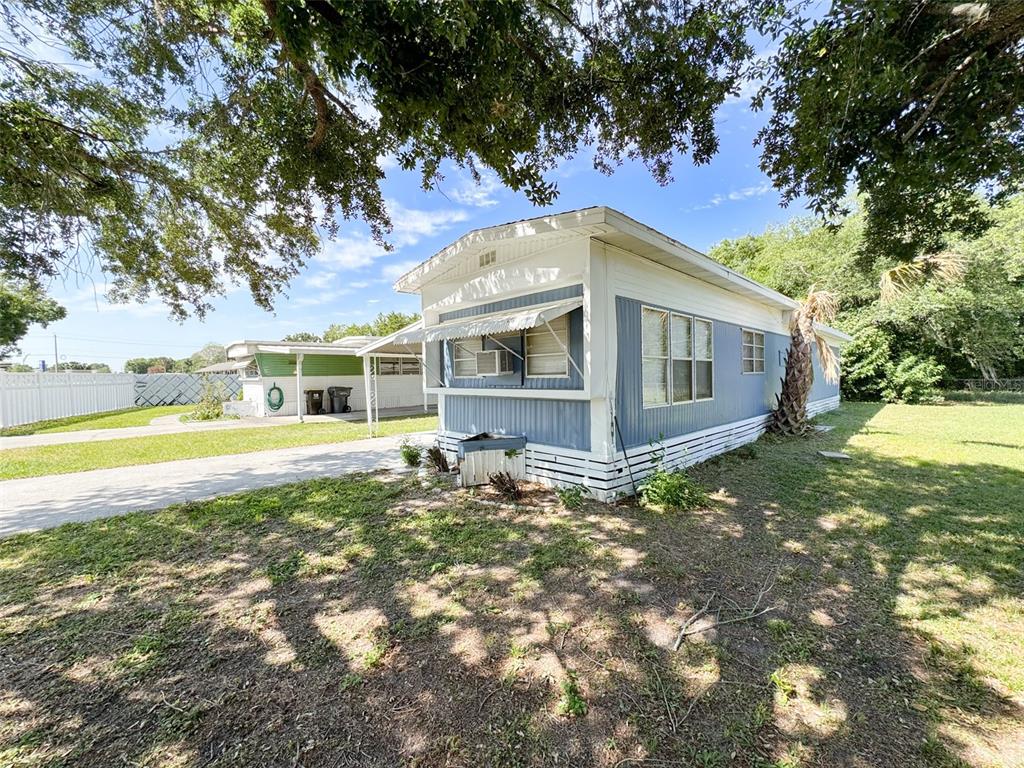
<point x="538" y="330"/>
<point x="668" y="357"/>
<point x="743" y="358"/>
<point x="693" y="360"/>
<point x="703" y="360"/>
<point x="672" y="358"/>
<point x="455" y="359"/>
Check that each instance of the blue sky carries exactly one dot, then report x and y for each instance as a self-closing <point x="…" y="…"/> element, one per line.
<point x="351" y="279"/>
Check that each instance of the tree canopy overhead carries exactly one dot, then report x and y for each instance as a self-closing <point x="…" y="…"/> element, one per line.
<point x="921" y="104"/>
<point x="212" y="137"/>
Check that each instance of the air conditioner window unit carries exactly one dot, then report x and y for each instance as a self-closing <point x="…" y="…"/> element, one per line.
<point x="493" y="362"/>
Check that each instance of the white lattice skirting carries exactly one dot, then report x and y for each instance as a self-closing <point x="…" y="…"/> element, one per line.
<point x="607" y="480"/>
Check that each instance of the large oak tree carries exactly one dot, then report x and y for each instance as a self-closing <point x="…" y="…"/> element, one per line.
<point x="207" y="140"/>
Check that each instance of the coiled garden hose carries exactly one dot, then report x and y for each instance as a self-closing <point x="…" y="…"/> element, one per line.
<point x="274" y="402"/>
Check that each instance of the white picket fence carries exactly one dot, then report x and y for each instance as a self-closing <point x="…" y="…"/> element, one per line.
<point x="28" y="397"/>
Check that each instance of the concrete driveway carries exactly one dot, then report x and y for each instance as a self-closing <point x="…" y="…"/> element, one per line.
<point x="44" y="502"/>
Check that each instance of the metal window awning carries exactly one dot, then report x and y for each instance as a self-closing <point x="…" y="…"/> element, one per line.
<point x="471" y="327"/>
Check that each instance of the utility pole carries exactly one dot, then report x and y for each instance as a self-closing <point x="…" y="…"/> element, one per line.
<point x="56" y="360"/>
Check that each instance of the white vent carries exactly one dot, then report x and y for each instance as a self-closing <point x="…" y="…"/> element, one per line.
<point x="493" y="362"/>
<point x="487" y="258"/>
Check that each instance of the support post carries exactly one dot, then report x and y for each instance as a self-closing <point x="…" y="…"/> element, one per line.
<point x="298" y="386"/>
<point x="368" y="385"/>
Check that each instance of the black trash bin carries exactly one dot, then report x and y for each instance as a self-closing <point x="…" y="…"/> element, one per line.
<point x="314" y="401"/>
<point x="339" y="399"/>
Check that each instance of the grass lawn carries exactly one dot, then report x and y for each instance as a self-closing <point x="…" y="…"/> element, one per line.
<point x="863" y="613"/>
<point x="79" y="457"/>
<point x="130" y="417"/>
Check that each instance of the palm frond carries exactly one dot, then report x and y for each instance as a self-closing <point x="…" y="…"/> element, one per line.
<point x="821" y="306"/>
<point x="829" y="360"/>
<point x="946" y="266"/>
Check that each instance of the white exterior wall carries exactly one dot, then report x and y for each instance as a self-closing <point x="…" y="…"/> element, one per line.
<point x="392" y="391"/>
<point x="638" y="278"/>
<point x="520" y="268"/>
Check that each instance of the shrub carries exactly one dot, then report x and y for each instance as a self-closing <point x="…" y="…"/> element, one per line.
<point x="571" y="497"/>
<point x="412" y="455"/>
<point x="506" y="485"/>
<point x="211" y="402"/>
<point x="438" y="458"/>
<point x="913" y="380"/>
<point x="663" y="488"/>
<point x="571" y="703"/>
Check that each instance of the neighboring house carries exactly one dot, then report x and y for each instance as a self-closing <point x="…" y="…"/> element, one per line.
<point x="601" y="343"/>
<point x="275" y="373"/>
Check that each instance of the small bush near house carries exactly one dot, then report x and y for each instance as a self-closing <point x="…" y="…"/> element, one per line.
<point x="412" y="455"/>
<point x="438" y="459"/>
<point x="671" y="489"/>
<point x="211" y="403"/>
<point x="571" y="497"/>
<point x="506" y="485"/>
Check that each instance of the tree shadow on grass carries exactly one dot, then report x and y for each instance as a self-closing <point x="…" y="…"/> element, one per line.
<point x="913" y="570"/>
<point x="370" y="621"/>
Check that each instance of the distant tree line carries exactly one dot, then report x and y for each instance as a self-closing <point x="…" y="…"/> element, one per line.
<point x="934" y="325"/>
<point x="208" y="355"/>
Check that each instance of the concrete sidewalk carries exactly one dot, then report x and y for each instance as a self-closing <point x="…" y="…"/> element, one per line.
<point x="160" y="426"/>
<point x="172" y="424"/>
<point x="44" y="502"/>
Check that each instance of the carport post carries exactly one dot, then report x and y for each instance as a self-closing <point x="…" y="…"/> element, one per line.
<point x="298" y="384"/>
<point x="367" y="362"/>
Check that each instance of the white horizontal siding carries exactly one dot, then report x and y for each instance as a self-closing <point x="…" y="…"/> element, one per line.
<point x="523" y="267"/>
<point x="392" y="391"/>
<point x="638" y="278"/>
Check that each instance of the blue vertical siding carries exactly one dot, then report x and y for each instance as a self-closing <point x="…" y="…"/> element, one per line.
<point x="562" y="423"/>
<point x="737" y="395"/>
<point x="516" y="302"/>
<point x="517" y="379"/>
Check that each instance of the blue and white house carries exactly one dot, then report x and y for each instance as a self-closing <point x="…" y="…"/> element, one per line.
<point x="583" y="345"/>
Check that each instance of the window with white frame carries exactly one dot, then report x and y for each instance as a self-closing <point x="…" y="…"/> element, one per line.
<point x="654" y="349"/>
<point x="546" y="352"/>
<point x="753" y="352"/>
<point x="682" y="358"/>
<point x="251" y="371"/>
<point x="703" y="356"/>
<point x="410" y="366"/>
<point x="677" y="358"/>
<point x="464" y="356"/>
<point x="389" y="366"/>
<point x="487" y="258"/>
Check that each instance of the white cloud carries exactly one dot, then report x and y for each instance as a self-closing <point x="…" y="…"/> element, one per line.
<point x="735" y="195"/>
<point x="321" y="279"/>
<point x="409" y="226"/>
<point x="395" y="271"/>
<point x="412" y="225"/>
<point x="350" y="252"/>
<point x="480" y="195"/>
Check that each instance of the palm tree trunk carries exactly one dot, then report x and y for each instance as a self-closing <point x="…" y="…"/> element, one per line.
<point x="790" y="414"/>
